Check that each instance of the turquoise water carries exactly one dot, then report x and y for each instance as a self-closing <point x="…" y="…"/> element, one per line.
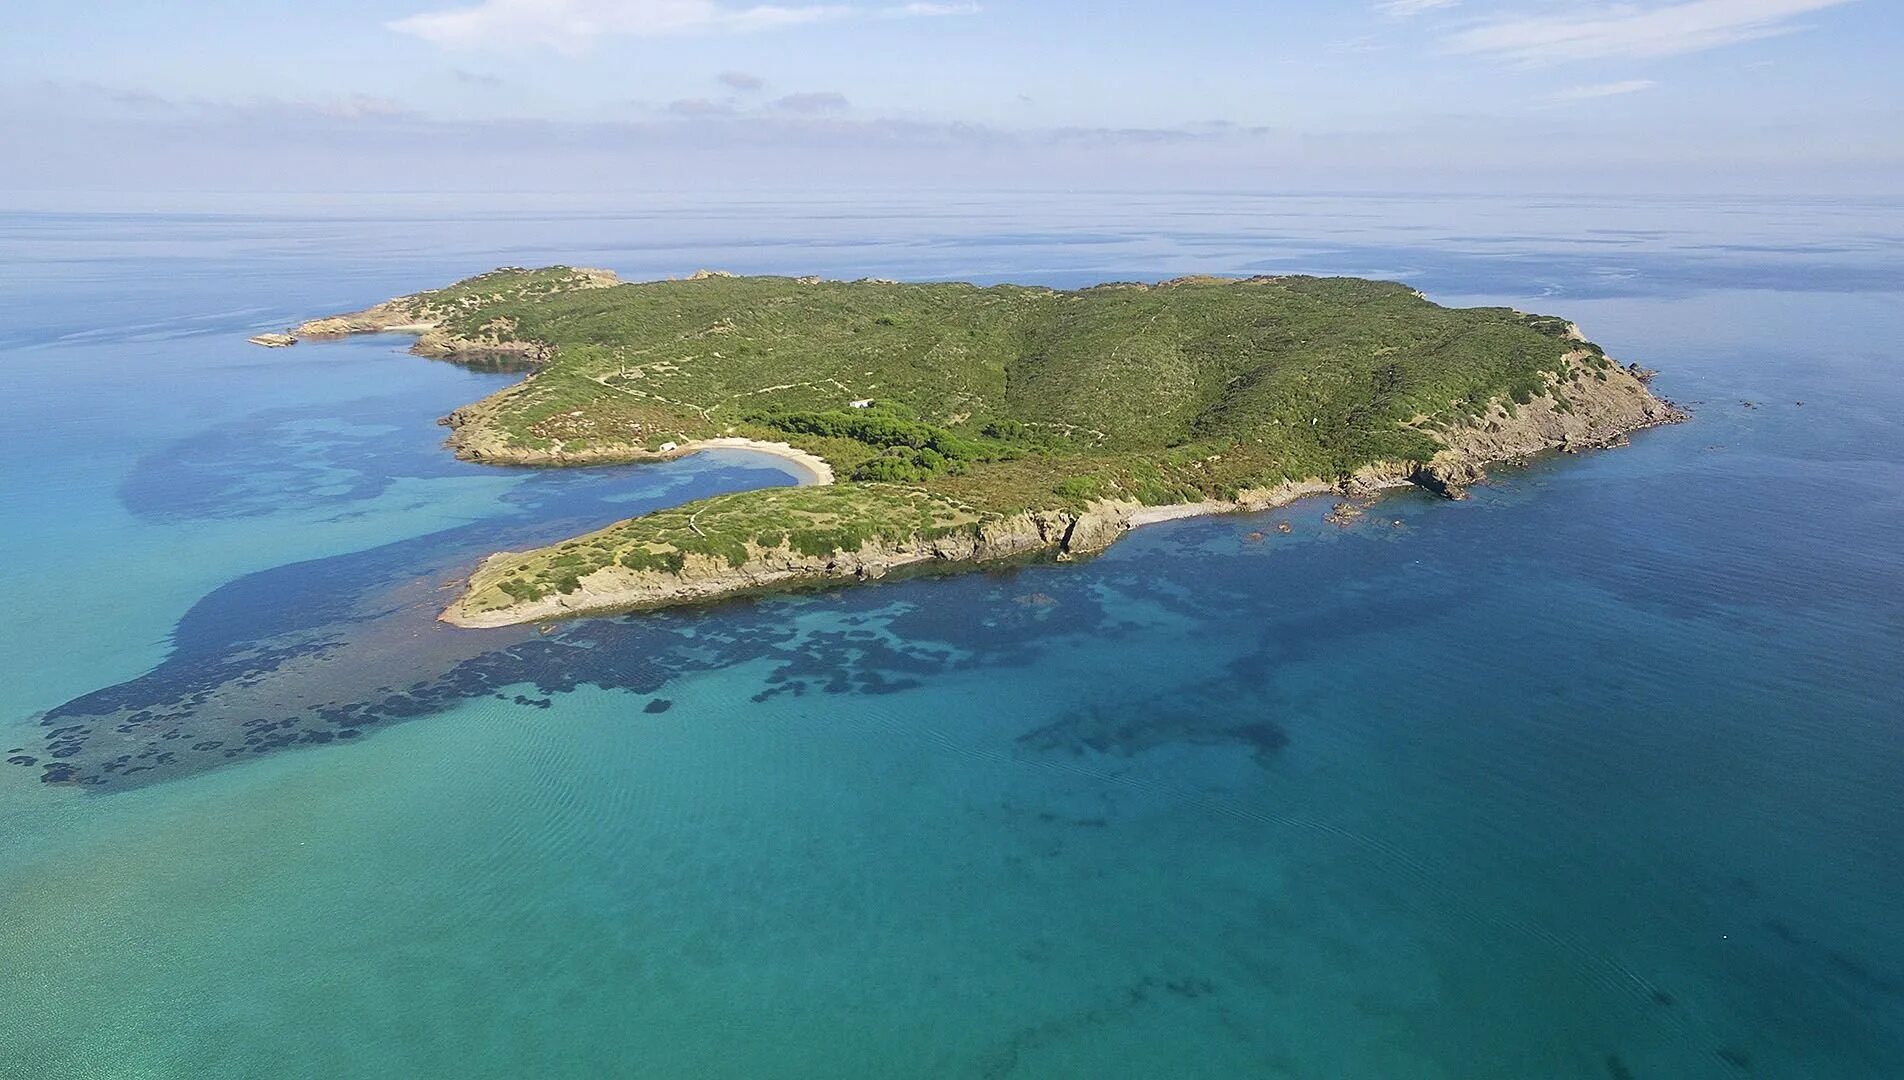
<point x="1594" y="775"/>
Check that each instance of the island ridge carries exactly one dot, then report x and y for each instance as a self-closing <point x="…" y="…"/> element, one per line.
<point x="956" y="423"/>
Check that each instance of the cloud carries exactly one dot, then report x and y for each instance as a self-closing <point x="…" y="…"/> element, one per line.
<point x="1595" y="32"/>
<point x="355" y="107"/>
<point x="929" y="10"/>
<point x="91" y="91"/>
<point x="814" y="122"/>
<point x="821" y="102"/>
<point x="700" y="107"/>
<point x="76" y="137"/>
<point x="574" y="25"/>
<point x="1603" y="90"/>
<point x="476" y="78"/>
<point x="1402" y="9"/>
<point x="144" y="105"/>
<point x="740" y="80"/>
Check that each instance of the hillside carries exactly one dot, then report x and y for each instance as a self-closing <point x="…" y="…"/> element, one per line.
<point x="956" y="415"/>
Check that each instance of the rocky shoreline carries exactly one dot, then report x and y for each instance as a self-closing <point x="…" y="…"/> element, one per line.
<point x="415" y="314"/>
<point x="1577" y="414"/>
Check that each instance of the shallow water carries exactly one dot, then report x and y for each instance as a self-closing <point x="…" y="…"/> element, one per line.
<point x="1593" y="775"/>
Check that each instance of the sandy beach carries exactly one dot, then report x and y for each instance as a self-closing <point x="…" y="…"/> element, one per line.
<point x="1151" y="515"/>
<point x="815" y="468"/>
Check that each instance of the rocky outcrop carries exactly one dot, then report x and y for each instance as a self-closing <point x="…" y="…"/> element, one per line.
<point x="403" y="314"/>
<point x="423" y="314"/>
<point x="1268" y="498"/>
<point x="1098" y="528"/>
<point x="401" y="317"/>
<point x="1584" y="408"/>
<point x="272" y="341"/>
<point x="1342" y="515"/>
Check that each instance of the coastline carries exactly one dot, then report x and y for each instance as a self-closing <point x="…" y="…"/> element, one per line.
<point x="1151" y="515"/>
<point x="1573" y="417"/>
<point x="1585" y="403"/>
<point x="1053" y="535"/>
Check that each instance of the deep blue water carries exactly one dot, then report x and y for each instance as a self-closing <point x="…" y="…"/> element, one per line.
<point x="1596" y="774"/>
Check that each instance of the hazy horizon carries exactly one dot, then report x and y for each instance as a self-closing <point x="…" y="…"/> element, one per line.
<point x="495" y="96"/>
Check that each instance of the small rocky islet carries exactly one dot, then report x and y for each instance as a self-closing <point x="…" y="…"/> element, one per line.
<point x="952" y="423"/>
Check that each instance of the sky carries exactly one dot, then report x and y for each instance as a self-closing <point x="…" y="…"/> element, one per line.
<point x="1511" y="96"/>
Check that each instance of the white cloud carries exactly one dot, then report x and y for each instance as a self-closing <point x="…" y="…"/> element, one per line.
<point x="700" y="107"/>
<point x="1402" y="9"/>
<point x="1603" y="90"/>
<point x="77" y="137"/>
<point x="355" y="107"/>
<point x="1626" y="30"/>
<point x="574" y="25"/>
<point x="819" y="102"/>
<point x="929" y="10"/>
<point x="476" y="78"/>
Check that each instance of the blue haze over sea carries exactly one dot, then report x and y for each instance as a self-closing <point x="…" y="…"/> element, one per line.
<point x="1597" y="774"/>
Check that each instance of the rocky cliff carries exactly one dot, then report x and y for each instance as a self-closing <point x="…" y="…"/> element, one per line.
<point x="1584" y="408"/>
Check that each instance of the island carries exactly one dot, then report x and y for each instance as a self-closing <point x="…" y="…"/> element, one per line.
<point x="945" y="423"/>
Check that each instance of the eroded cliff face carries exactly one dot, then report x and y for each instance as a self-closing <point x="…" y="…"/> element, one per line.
<point x="1584" y="409"/>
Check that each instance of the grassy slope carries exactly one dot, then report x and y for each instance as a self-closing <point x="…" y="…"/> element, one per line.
<point x="507" y="285"/>
<point x="1002" y="398"/>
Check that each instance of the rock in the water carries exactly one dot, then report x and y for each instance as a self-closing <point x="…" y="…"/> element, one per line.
<point x="1343" y="515"/>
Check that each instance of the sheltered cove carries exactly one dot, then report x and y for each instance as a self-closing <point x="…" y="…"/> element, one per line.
<point x="968" y="425"/>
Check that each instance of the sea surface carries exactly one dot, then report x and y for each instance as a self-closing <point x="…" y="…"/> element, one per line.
<point x="1597" y="774"/>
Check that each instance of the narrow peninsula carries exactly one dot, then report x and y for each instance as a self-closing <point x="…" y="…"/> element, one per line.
<point x="948" y="423"/>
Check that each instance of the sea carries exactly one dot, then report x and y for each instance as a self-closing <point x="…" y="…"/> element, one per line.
<point x="1598" y="773"/>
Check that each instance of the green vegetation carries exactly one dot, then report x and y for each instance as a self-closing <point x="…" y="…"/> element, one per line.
<point x="509" y="284"/>
<point x="907" y="450"/>
<point x="1299" y="376"/>
<point x="994" y="400"/>
<point x="728" y="530"/>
